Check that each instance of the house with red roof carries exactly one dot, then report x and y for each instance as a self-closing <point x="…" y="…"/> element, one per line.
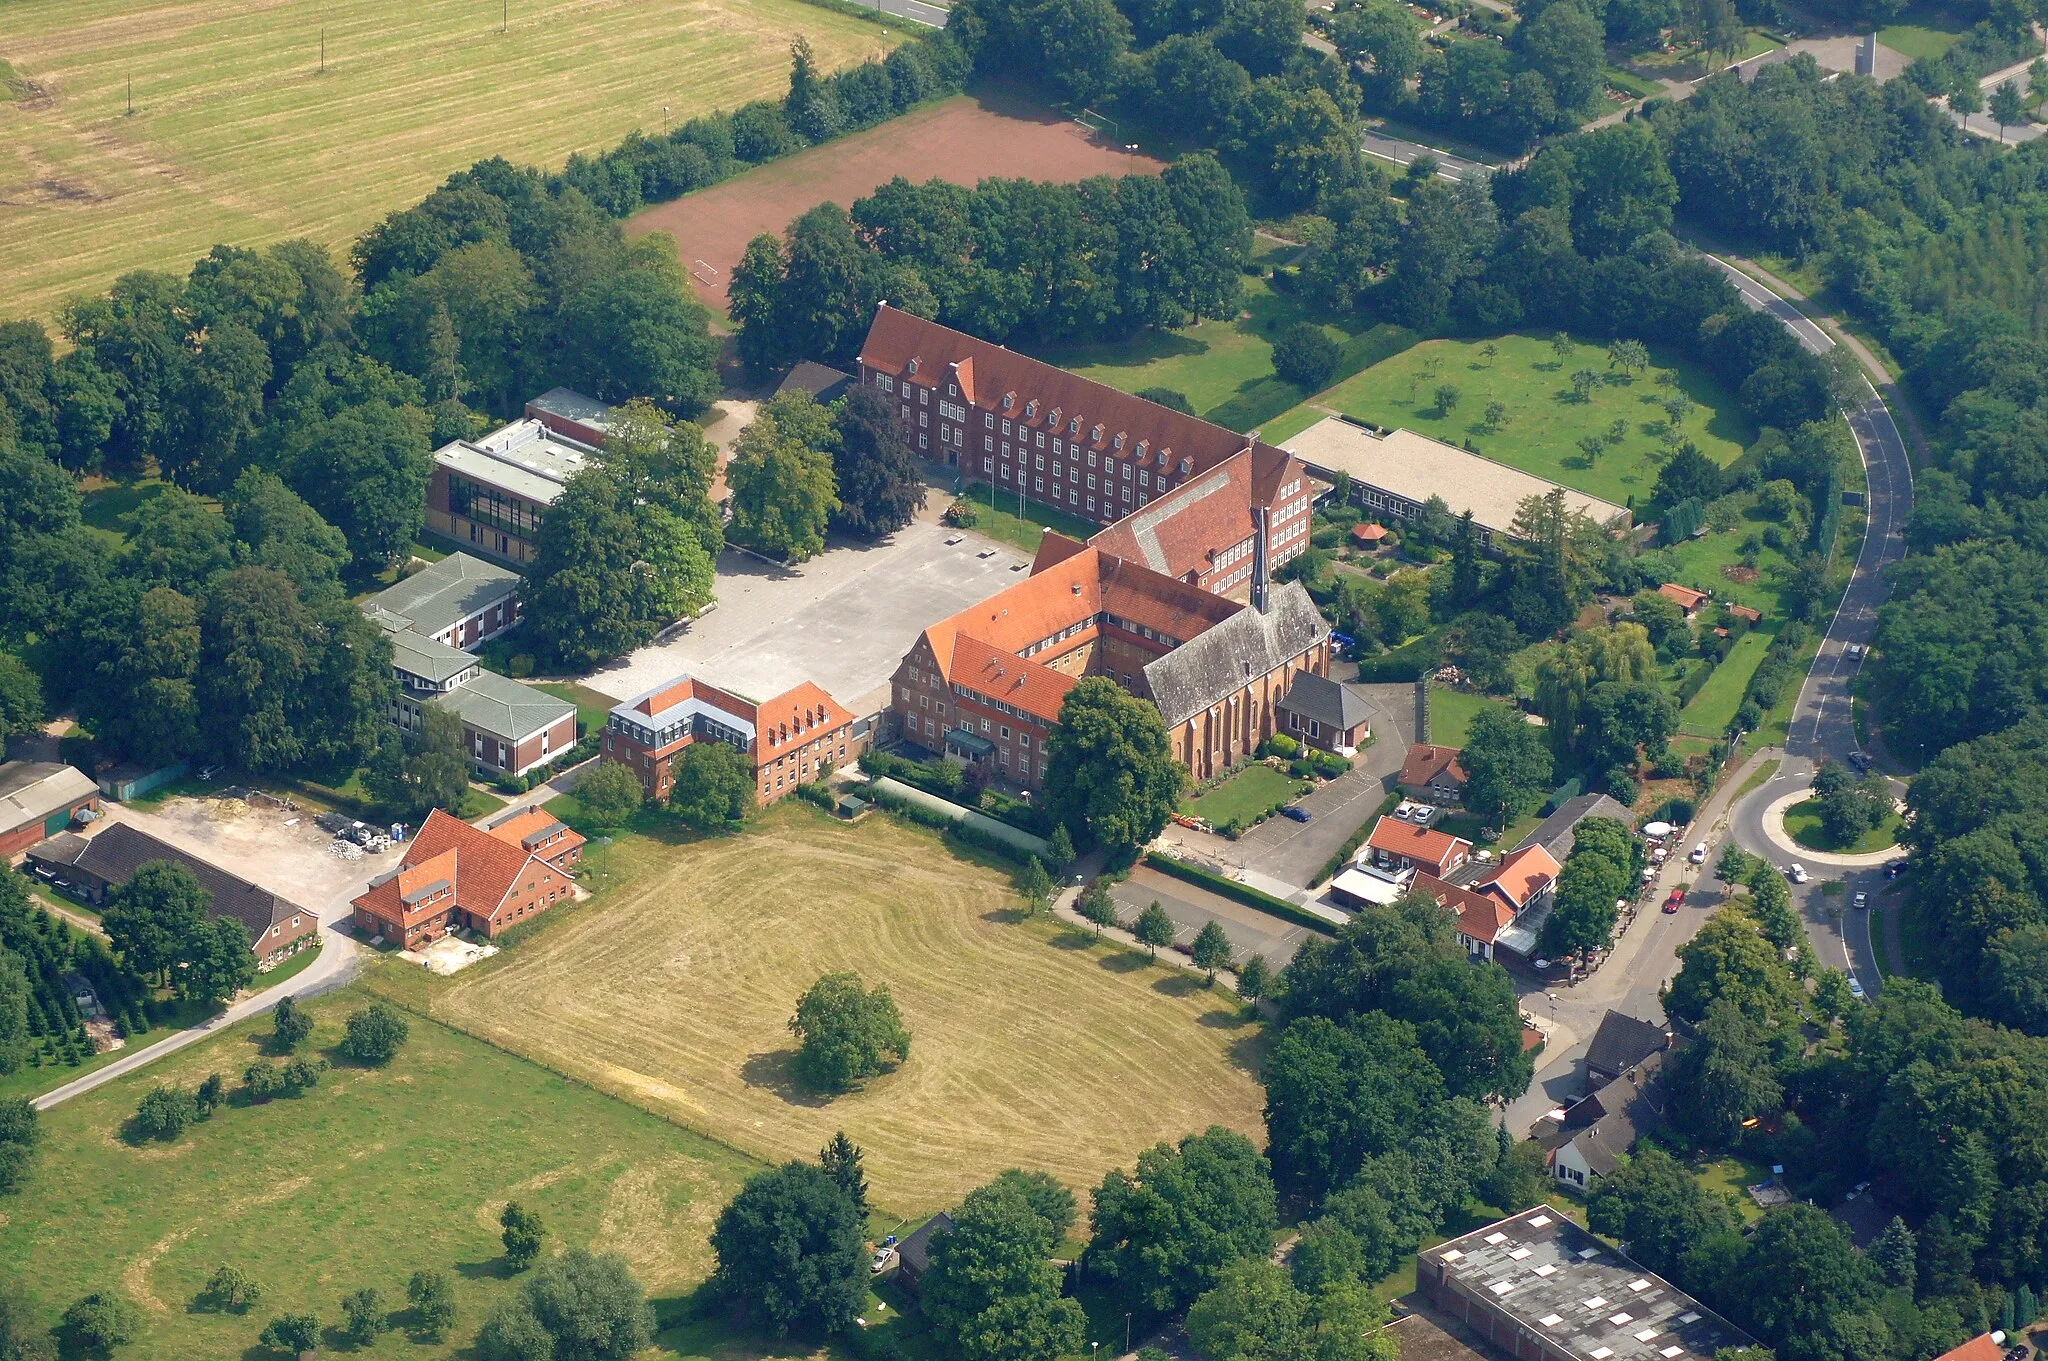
<point x="1432" y="773"/>
<point x="1397" y="844"/>
<point x="1523" y="879"/>
<point x="1686" y="597"/>
<point x="792" y="739"/>
<point x="541" y="833"/>
<point x="458" y="877"/>
<point x="1482" y="917"/>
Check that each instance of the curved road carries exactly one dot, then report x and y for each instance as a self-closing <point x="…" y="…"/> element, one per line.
<point x="1823" y="725"/>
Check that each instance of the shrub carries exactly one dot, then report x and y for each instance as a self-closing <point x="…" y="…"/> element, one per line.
<point x="362" y="1312"/>
<point x="293" y="1333"/>
<point x="166" y="1112"/>
<point x="1168" y="398"/>
<point x="1306" y="356"/>
<point x="95" y="1324"/>
<point x="1281" y="745"/>
<point x="374" y="1035"/>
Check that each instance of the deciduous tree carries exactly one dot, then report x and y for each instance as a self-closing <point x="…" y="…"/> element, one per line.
<point x="714" y="786"/>
<point x="789" y="1252"/>
<point x="991" y="1291"/>
<point x="581" y="1305"/>
<point x="1109" y="776"/>
<point x="847" y="1032"/>
<point x="1165" y="1232"/>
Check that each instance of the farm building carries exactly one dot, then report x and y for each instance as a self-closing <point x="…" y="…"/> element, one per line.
<point x="540" y="833"/>
<point x="1396" y="472"/>
<point x="458" y="877"/>
<point x="39" y="799"/>
<point x="1537" y="1287"/>
<point x="95" y="866"/>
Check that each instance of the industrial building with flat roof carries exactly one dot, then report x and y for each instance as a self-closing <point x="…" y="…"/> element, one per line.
<point x="1539" y="1288"/>
<point x="1396" y="472"/>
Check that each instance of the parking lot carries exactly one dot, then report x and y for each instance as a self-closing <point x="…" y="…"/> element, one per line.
<point x="1251" y="931"/>
<point x="843" y="620"/>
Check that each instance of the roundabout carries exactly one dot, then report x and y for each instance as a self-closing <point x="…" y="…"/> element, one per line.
<point x="1772" y="821"/>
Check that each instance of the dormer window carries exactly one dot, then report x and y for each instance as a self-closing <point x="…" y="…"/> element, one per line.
<point x="1141" y="447"/>
<point x="1095" y="437"/>
<point x="1009" y="402"/>
<point x="1119" y="442"/>
<point x="913" y="366"/>
<point x="1055" y="421"/>
<point x="1031" y="410"/>
<point x="1074" y="427"/>
<point x="1186" y="465"/>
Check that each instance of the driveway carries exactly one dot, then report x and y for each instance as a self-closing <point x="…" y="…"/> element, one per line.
<point x="844" y="619"/>
<point x="1251" y="931"/>
<point x="1293" y="852"/>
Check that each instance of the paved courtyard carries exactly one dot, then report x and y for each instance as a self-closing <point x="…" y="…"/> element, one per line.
<point x="843" y="619"/>
<point x="1251" y="931"/>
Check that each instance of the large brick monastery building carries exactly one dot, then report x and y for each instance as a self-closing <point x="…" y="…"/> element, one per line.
<point x="1180" y="496"/>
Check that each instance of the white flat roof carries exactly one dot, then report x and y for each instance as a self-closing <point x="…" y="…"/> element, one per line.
<point x="524" y="458"/>
<point x="1416" y="467"/>
<point x="1366" y="886"/>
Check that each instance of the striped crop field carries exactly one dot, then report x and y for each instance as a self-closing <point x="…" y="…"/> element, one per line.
<point x="237" y="135"/>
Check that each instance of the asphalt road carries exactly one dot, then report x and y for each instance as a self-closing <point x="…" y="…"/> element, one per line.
<point x="1401" y="152"/>
<point x="931" y="16"/>
<point x="1823" y="725"/>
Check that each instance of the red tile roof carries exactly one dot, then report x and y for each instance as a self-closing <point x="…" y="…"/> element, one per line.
<point x="1481" y="916"/>
<point x="988" y="373"/>
<point x="1424" y="845"/>
<point x="1187" y="529"/>
<point x="482" y="868"/>
<point x="796" y="716"/>
<point x="1520" y="876"/>
<point x="1016" y="681"/>
<point x="1745" y="612"/>
<point x="1368" y="533"/>
<point x="519" y="826"/>
<point x="1425" y="762"/>
<point x="1978" y="1348"/>
<point x="1688" y="599"/>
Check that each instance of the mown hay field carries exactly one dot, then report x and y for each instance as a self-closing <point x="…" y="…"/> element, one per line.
<point x="1031" y="1046"/>
<point x="372" y="1175"/>
<point x="237" y="136"/>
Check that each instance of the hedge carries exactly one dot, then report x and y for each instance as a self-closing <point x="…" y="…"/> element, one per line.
<point x="1243" y="893"/>
<point x="1408" y="662"/>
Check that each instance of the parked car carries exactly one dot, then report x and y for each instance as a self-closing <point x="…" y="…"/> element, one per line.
<point x="1855" y="988"/>
<point x="1796" y="872"/>
<point x="1895" y="869"/>
<point x="1860" y="761"/>
<point x="1863" y="900"/>
<point x="1675" y="901"/>
<point x="1295" y="813"/>
<point x="1699" y="854"/>
<point x="1424" y="812"/>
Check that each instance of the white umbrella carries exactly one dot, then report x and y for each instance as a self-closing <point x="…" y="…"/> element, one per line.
<point x="1658" y="829"/>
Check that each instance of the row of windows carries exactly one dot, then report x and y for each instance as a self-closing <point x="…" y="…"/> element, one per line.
<point x="932" y="733"/>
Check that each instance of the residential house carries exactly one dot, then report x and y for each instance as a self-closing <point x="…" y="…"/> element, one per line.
<point x="39" y="799"/>
<point x="1327" y="714"/>
<point x="572" y="415"/>
<point x="791" y="739"/>
<point x="1401" y="845"/>
<point x="461" y="601"/>
<point x="913" y="1254"/>
<point x="1982" y="1347"/>
<point x="1481" y="917"/>
<point x="1033" y="430"/>
<point x="539" y="832"/>
<point x="1745" y="614"/>
<point x="95" y="866"/>
<point x="1432" y="774"/>
<point x="457" y="877"/>
<point x="1686" y="597"/>
<point x="492" y="492"/>
<point x="1394" y="473"/>
<point x="1557" y="833"/>
<point x="1599" y="1130"/>
<point x="986" y="685"/>
<point x="1525" y="880"/>
<point x="1621" y="1043"/>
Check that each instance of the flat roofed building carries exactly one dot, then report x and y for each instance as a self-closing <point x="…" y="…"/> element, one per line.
<point x="39" y="799"/>
<point x="791" y="739"/>
<point x="1099" y="453"/>
<point x="1538" y="1287"/>
<point x="460" y="601"/>
<point x="492" y="492"/>
<point x="566" y="412"/>
<point x="1393" y="473"/>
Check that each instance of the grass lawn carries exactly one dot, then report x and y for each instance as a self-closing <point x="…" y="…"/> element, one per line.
<point x="1002" y="522"/>
<point x="1802" y="821"/>
<point x="238" y="136"/>
<point x="674" y="990"/>
<point x="1451" y="713"/>
<point x="1731" y="1175"/>
<point x="1256" y="789"/>
<point x="1713" y="708"/>
<point x="107" y="507"/>
<point x="1704" y="563"/>
<point x="1544" y="422"/>
<point x="1214" y="361"/>
<point x="592" y="709"/>
<point x="372" y="1175"/>
<point x="1922" y="40"/>
<point x="1758" y="778"/>
<point x="287" y="971"/>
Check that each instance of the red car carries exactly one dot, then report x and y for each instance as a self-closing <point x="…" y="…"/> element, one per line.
<point x="1676" y="899"/>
